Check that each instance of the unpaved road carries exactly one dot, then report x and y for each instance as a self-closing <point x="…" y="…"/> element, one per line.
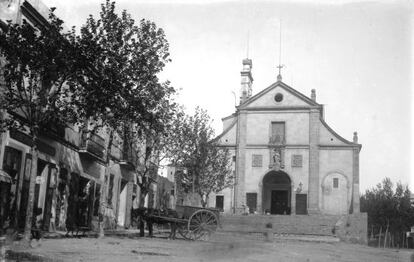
<point x="221" y="247"/>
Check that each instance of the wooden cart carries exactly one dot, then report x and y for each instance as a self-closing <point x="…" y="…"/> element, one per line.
<point x="193" y="223"/>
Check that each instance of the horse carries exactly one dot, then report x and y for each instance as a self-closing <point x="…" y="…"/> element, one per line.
<point x="155" y="216"/>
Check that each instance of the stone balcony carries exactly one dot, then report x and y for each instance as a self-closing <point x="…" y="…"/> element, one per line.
<point x="92" y="145"/>
<point x="128" y="158"/>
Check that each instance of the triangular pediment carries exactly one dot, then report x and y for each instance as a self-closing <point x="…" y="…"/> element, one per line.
<point x="289" y="98"/>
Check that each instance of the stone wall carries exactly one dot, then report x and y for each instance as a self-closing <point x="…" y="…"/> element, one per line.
<point x="294" y="224"/>
<point x="353" y="228"/>
<point x="332" y="162"/>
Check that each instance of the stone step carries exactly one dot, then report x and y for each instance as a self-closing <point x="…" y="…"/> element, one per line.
<point x="294" y="224"/>
<point x="276" y="237"/>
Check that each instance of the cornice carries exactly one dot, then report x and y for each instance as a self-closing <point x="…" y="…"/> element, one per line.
<point x="33" y="15"/>
<point x="285" y="87"/>
<point x="338" y="147"/>
<point x="280" y="108"/>
<point x="287" y="146"/>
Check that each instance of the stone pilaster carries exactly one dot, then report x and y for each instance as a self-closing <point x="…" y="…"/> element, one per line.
<point x="260" y="198"/>
<point x="355" y="177"/>
<point x="239" y="191"/>
<point x="313" y="196"/>
<point x="355" y="184"/>
<point x="293" y="198"/>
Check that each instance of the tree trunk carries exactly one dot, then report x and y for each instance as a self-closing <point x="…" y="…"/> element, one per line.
<point x="142" y="195"/>
<point x="102" y="200"/>
<point x="30" y="203"/>
<point x="386" y="235"/>
<point x="141" y="222"/>
<point x="379" y="238"/>
<point x="372" y="233"/>
<point x="403" y="239"/>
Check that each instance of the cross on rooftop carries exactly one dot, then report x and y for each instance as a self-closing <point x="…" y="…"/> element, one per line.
<point x="279" y="76"/>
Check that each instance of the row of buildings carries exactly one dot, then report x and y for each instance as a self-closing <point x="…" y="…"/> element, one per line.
<point x="286" y="160"/>
<point x="71" y="166"/>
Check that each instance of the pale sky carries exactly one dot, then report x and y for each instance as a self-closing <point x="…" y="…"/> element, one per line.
<point x="356" y="54"/>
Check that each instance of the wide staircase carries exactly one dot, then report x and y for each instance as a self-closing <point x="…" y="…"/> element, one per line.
<point x="310" y="226"/>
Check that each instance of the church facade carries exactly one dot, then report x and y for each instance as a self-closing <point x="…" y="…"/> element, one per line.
<point x="286" y="158"/>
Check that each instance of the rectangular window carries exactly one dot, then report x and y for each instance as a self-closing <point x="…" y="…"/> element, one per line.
<point x="220" y="202"/>
<point x="335" y="182"/>
<point x="297" y="160"/>
<point x="278" y="133"/>
<point x="257" y="160"/>
<point x="11" y="161"/>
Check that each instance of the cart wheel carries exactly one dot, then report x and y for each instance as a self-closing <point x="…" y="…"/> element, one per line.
<point x="183" y="231"/>
<point x="202" y="224"/>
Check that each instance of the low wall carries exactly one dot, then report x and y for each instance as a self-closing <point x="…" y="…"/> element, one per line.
<point x="353" y="228"/>
<point x="281" y="224"/>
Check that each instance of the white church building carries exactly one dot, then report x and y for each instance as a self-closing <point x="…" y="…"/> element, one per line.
<point x="286" y="158"/>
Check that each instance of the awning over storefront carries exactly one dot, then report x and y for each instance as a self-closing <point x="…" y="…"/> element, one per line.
<point x="4" y="177"/>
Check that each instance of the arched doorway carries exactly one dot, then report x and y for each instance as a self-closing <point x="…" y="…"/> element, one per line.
<point x="276" y="195"/>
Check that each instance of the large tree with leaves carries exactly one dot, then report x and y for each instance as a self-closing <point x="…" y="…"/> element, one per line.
<point x="121" y="89"/>
<point x="160" y="146"/>
<point x="41" y="68"/>
<point x="389" y="210"/>
<point x="207" y="164"/>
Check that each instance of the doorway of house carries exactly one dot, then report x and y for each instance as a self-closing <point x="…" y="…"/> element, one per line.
<point x="279" y="202"/>
<point x="276" y="194"/>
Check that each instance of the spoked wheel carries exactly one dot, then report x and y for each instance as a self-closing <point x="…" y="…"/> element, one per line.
<point x="183" y="231"/>
<point x="202" y="224"/>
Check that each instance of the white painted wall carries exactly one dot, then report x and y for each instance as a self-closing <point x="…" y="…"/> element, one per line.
<point x="122" y="206"/>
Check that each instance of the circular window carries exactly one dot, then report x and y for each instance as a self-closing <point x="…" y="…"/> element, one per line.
<point x="278" y="97"/>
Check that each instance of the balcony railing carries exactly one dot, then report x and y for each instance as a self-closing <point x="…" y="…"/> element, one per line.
<point x="92" y="144"/>
<point x="116" y="151"/>
<point x="128" y="158"/>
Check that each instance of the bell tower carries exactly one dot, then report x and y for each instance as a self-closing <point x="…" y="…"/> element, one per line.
<point x="246" y="80"/>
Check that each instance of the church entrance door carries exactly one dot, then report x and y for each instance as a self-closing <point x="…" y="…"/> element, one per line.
<point x="279" y="202"/>
<point x="276" y="195"/>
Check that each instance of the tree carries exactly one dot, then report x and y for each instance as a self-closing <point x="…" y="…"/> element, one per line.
<point x="40" y="73"/>
<point x="215" y="173"/>
<point x="388" y="210"/>
<point x="156" y="146"/>
<point x="121" y="90"/>
<point x="208" y="165"/>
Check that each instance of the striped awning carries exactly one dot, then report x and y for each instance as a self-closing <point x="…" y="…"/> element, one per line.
<point x="4" y="177"/>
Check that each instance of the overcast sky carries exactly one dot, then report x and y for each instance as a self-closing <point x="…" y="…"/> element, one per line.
<point x="356" y="54"/>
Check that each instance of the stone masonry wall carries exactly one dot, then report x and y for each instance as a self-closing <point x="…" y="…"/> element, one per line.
<point x="353" y="228"/>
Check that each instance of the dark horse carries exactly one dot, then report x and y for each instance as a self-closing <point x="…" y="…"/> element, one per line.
<point x="152" y="216"/>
